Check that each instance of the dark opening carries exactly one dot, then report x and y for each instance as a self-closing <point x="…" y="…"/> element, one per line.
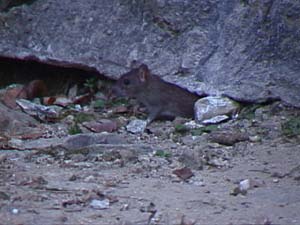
<point x="58" y="78"/>
<point x="5" y="5"/>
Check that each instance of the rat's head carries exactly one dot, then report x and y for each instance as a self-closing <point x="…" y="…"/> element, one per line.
<point x="132" y="83"/>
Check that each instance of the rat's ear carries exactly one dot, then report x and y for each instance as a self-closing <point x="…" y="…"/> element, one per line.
<point x="134" y="64"/>
<point x="143" y="73"/>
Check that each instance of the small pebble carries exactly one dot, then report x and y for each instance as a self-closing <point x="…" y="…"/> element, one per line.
<point x="255" y="138"/>
<point x="15" y="211"/>
<point x="125" y="207"/>
<point x="3" y="157"/>
<point x="89" y="178"/>
<point x="244" y="185"/>
<point x="275" y="180"/>
<point x="100" y="204"/>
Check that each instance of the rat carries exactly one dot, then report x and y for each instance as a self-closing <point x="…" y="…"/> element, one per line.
<point x="163" y="100"/>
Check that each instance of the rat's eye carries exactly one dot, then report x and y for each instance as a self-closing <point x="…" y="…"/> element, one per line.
<point x="126" y="82"/>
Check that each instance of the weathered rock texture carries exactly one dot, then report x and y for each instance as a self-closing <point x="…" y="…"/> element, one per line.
<point x="246" y="49"/>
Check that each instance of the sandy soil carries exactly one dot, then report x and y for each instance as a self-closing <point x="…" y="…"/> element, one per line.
<point x="38" y="188"/>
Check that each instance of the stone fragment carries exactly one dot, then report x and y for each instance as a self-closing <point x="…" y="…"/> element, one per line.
<point x="136" y="126"/>
<point x="32" y="135"/>
<point x="44" y="113"/>
<point x="15" y="122"/>
<point x="103" y="125"/>
<point x="90" y="178"/>
<point x="120" y="109"/>
<point x="10" y="96"/>
<point x="125" y="207"/>
<point x="255" y="138"/>
<point x="218" y="162"/>
<point x="100" y="204"/>
<point x="62" y="101"/>
<point x="244" y="186"/>
<point x="3" y="157"/>
<point x="212" y="106"/>
<point x="73" y="177"/>
<point x="72" y="93"/>
<point x="183" y="173"/>
<point x="227" y="137"/>
<point x="15" y="211"/>
<point x="150" y="208"/>
<point x="215" y="120"/>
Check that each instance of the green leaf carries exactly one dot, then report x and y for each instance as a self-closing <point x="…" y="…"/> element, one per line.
<point x="74" y="129"/>
<point x="291" y="127"/>
<point x="99" y="104"/>
<point x="163" y="154"/>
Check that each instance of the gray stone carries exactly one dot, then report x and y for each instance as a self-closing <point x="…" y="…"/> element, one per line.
<point x="212" y="106"/>
<point x="15" y="123"/>
<point x="100" y="204"/>
<point x="247" y="50"/>
<point x="40" y="144"/>
<point x="228" y="137"/>
<point x="136" y="126"/>
<point x="216" y="119"/>
<point x="42" y="112"/>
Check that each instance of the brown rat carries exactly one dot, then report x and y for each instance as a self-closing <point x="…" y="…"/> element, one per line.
<point x="162" y="99"/>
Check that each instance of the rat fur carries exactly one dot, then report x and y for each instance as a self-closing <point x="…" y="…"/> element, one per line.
<point x="162" y="99"/>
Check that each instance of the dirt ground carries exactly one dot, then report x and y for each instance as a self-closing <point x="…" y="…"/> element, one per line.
<point x="146" y="186"/>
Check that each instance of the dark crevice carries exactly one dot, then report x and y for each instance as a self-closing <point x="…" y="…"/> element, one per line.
<point x="5" y="5"/>
<point x="58" y="77"/>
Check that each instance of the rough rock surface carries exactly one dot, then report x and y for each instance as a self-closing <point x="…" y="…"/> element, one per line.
<point x="247" y="50"/>
<point x="14" y="122"/>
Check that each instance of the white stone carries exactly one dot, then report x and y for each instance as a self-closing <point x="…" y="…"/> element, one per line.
<point x="193" y="125"/>
<point x="216" y="119"/>
<point x="100" y="204"/>
<point x="244" y="185"/>
<point x="136" y="126"/>
<point x="212" y="106"/>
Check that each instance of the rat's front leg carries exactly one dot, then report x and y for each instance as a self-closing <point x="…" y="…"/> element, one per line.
<point x="153" y="114"/>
